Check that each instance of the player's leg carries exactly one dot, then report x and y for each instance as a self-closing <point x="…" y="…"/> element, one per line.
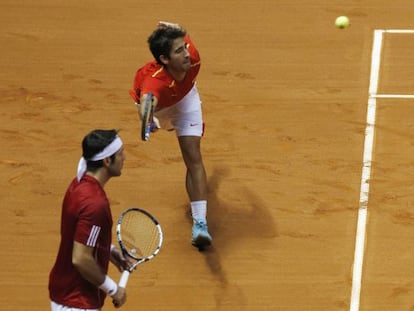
<point x="196" y="185"/>
<point x="189" y="126"/>
<point x="196" y="179"/>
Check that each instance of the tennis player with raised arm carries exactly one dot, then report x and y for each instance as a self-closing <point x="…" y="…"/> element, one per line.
<point x="171" y="79"/>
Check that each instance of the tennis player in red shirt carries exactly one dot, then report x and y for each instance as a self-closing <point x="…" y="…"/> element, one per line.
<point x="79" y="280"/>
<point x="171" y="78"/>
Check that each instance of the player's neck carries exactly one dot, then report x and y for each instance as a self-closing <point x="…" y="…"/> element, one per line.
<point x="100" y="176"/>
<point x="177" y="75"/>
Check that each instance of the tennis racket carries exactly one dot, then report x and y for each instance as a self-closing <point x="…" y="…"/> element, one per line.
<point x="140" y="238"/>
<point x="148" y="117"/>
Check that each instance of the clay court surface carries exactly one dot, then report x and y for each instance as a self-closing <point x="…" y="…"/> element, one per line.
<point x="285" y="101"/>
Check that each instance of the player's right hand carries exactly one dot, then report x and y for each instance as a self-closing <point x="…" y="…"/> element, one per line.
<point x="119" y="298"/>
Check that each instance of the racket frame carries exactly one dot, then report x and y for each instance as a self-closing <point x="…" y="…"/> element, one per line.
<point x="147" y="117"/>
<point x="125" y="274"/>
<point x="119" y="234"/>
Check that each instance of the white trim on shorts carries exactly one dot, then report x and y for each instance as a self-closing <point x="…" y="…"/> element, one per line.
<point x="57" y="307"/>
<point x="185" y="117"/>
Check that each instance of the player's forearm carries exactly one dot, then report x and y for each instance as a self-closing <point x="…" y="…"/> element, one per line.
<point x="91" y="272"/>
<point x="89" y="269"/>
<point x="83" y="259"/>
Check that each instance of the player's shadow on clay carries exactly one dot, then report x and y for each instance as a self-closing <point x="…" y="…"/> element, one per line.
<point x="248" y="217"/>
<point x="230" y="223"/>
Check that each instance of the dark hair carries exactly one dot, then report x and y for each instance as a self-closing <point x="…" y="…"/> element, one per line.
<point x="95" y="142"/>
<point x="161" y="40"/>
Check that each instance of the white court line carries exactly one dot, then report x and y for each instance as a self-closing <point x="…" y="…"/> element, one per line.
<point x="366" y="172"/>
<point x="367" y="161"/>
<point x="402" y="31"/>
<point x="391" y="96"/>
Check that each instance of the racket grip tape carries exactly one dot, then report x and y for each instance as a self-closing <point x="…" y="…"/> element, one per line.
<point x="124" y="279"/>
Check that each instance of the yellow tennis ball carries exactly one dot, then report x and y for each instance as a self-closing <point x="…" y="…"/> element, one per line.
<point x="342" y="22"/>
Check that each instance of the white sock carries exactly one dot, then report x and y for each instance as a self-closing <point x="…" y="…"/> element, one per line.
<point x="199" y="210"/>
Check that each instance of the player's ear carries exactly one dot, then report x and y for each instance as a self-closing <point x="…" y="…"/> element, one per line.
<point x="164" y="59"/>
<point x="107" y="161"/>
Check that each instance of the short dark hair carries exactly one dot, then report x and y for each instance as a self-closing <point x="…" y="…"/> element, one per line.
<point x="161" y="40"/>
<point x="95" y="142"/>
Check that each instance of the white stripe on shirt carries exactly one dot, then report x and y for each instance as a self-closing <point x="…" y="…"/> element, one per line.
<point x="93" y="236"/>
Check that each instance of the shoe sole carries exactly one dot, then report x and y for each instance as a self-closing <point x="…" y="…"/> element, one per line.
<point x="201" y="242"/>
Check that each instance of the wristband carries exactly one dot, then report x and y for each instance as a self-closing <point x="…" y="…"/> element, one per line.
<point x="109" y="286"/>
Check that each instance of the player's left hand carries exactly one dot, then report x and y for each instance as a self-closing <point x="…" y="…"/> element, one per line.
<point x="119" y="260"/>
<point x="155" y="124"/>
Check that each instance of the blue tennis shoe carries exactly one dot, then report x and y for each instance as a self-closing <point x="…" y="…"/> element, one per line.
<point x="200" y="236"/>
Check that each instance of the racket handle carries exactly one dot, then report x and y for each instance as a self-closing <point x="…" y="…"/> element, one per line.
<point x="124" y="279"/>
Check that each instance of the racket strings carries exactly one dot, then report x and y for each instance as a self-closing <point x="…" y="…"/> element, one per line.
<point x="140" y="235"/>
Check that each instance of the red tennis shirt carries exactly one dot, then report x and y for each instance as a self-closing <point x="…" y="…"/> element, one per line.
<point x="87" y="219"/>
<point x="153" y="77"/>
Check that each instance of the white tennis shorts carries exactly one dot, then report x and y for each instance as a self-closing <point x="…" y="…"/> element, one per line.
<point x="185" y="117"/>
<point x="57" y="307"/>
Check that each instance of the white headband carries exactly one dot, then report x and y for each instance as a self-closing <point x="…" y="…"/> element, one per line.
<point x="109" y="150"/>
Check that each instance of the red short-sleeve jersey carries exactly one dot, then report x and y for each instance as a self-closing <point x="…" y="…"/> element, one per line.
<point x="87" y="219"/>
<point x="153" y="77"/>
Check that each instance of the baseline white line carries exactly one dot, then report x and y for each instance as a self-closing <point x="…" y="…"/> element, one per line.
<point x="366" y="173"/>
<point x="402" y="31"/>
<point x="391" y="96"/>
